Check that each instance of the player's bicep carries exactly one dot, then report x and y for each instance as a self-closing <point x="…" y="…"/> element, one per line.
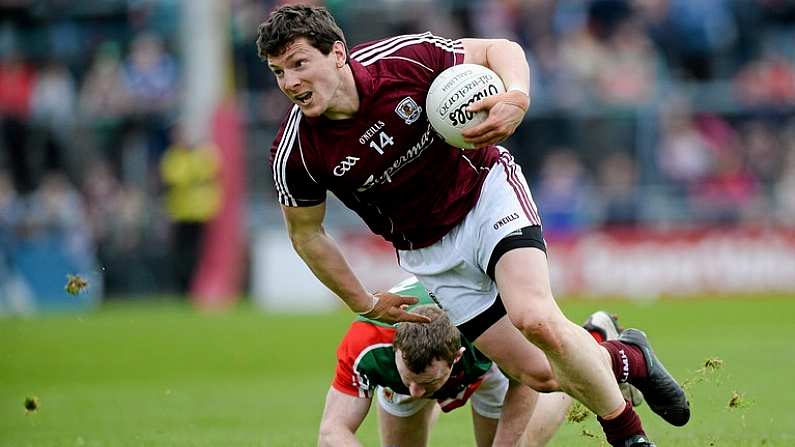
<point x="304" y="222"/>
<point x="343" y="411"/>
<point x="475" y="50"/>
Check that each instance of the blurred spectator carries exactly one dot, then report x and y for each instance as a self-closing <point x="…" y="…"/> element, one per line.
<point x="562" y="192"/>
<point x="54" y="98"/>
<point x="17" y="81"/>
<point x="627" y="71"/>
<point x="729" y="191"/>
<point x="125" y="227"/>
<point x="618" y="191"/>
<point x="10" y="210"/>
<point x="580" y="54"/>
<point x="14" y="295"/>
<point x="605" y="17"/>
<point x="684" y="156"/>
<point x="104" y="103"/>
<point x="190" y="173"/>
<point x="553" y="84"/>
<point x="695" y="36"/>
<point x="53" y="106"/>
<point x="56" y="212"/>
<point x="150" y="76"/>
<point x="763" y="150"/>
<point x="101" y="190"/>
<point x="769" y="80"/>
<point x="612" y="56"/>
<point x="104" y="97"/>
<point x="509" y="19"/>
<point x="785" y="184"/>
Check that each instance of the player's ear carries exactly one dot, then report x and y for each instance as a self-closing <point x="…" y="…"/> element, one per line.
<point x="340" y="53"/>
<point x="459" y="354"/>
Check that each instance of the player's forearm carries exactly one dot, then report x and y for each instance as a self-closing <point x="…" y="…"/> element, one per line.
<point x="323" y="256"/>
<point x="517" y="408"/>
<point x="342" y="416"/>
<point x="509" y="61"/>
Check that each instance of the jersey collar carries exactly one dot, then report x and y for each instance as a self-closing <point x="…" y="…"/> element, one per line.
<point x="364" y="82"/>
<point x="364" y="86"/>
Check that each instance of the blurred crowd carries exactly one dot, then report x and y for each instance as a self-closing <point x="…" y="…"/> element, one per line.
<point x="88" y="106"/>
<point x="652" y="112"/>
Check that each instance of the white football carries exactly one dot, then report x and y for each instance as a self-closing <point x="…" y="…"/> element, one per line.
<point x="451" y="92"/>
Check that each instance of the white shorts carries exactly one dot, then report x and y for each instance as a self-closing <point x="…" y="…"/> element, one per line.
<point x="486" y="400"/>
<point x="454" y="268"/>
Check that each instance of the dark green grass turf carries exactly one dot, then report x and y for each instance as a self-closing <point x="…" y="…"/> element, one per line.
<point x="161" y="374"/>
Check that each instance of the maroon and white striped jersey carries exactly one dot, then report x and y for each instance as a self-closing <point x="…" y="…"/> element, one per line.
<point x="385" y="163"/>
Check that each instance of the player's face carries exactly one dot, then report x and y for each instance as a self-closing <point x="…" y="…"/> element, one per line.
<point x="427" y="382"/>
<point x="308" y="77"/>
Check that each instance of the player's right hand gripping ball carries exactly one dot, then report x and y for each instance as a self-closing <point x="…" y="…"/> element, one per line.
<point x="452" y="92"/>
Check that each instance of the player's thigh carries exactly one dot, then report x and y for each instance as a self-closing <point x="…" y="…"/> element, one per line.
<point x="504" y="344"/>
<point x="411" y="430"/>
<point x="485" y="429"/>
<point x="549" y="415"/>
<point x="487" y="402"/>
<point x="522" y="277"/>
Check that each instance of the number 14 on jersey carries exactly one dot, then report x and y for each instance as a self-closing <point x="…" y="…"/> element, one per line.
<point x="384" y="140"/>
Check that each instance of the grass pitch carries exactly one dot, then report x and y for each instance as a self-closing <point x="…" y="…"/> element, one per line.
<point x="161" y="374"/>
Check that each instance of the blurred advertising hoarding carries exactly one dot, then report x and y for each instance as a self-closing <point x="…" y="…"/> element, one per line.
<point x="633" y="264"/>
<point x="649" y="264"/>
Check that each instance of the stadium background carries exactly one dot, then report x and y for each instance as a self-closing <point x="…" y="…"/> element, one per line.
<point x="134" y="135"/>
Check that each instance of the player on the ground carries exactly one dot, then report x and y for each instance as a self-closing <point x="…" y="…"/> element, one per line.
<point x="462" y="221"/>
<point x="418" y="370"/>
<point x="412" y="367"/>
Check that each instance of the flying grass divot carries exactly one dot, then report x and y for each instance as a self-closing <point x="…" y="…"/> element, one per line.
<point x="75" y="284"/>
<point x="577" y="413"/>
<point x="587" y="434"/>
<point x="31" y="404"/>
<point x="738" y="400"/>
<point x="710" y="371"/>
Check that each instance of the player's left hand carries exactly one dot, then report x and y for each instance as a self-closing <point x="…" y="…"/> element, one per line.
<point x="391" y="308"/>
<point x="506" y="111"/>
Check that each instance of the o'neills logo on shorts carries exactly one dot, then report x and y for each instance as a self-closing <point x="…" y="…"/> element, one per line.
<point x="505" y="220"/>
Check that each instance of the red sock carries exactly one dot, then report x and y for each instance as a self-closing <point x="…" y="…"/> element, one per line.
<point x="628" y="361"/>
<point x="597" y="336"/>
<point x="627" y="424"/>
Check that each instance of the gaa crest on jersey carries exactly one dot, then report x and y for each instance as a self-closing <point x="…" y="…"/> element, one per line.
<point x="409" y="110"/>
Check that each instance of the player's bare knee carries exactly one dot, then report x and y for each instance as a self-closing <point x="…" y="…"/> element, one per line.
<point x="325" y="435"/>
<point x="545" y="383"/>
<point x="323" y="439"/>
<point x="543" y="332"/>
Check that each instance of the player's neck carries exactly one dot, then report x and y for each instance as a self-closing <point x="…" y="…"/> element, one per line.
<point x="345" y="102"/>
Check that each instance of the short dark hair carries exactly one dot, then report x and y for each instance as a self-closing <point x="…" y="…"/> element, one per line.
<point x="290" y="22"/>
<point x="422" y="343"/>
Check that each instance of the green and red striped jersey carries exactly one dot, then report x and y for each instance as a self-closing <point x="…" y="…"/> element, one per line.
<point x="366" y="358"/>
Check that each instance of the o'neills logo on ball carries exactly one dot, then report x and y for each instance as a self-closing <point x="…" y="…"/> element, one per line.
<point x="461" y="116"/>
<point x="483" y="82"/>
